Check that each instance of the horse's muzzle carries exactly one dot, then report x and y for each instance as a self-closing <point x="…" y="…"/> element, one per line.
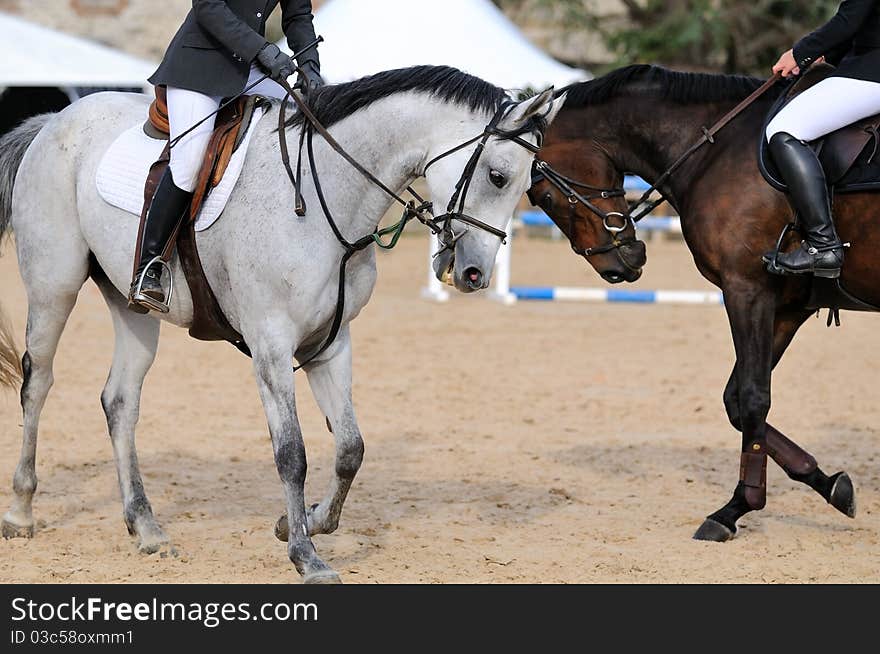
<point x="630" y="260"/>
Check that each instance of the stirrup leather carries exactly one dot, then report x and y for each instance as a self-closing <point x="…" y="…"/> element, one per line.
<point x="138" y="296"/>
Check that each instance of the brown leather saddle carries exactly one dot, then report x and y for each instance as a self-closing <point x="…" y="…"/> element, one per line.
<point x="209" y="323"/>
<point x="849" y="155"/>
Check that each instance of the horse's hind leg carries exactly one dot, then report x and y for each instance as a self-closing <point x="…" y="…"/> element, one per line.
<point x="330" y="380"/>
<point x="137" y="338"/>
<point x="797" y="463"/>
<point x="49" y="306"/>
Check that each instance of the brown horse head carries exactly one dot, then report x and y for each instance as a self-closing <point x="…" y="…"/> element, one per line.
<point x="594" y="215"/>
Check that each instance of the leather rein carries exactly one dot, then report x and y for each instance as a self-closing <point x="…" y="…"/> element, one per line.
<point x="544" y="171"/>
<point x="412" y="209"/>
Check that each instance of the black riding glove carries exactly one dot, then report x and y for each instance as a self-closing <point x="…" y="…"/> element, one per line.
<point x="276" y="63"/>
<point x="309" y="79"/>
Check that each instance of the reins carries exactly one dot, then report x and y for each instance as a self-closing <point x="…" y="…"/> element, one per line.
<point x="708" y="137"/>
<point x="566" y="185"/>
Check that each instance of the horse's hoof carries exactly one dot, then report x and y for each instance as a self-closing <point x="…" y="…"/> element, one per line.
<point x="843" y="495"/>
<point x="11" y="530"/>
<point x="713" y="531"/>
<point x="156" y="543"/>
<point x="322" y="577"/>
<point x="282" y="531"/>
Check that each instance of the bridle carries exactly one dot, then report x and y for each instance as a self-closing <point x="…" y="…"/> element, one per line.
<point x="566" y="185"/>
<point x="455" y="208"/>
<point x="412" y="209"/>
<point x="643" y="206"/>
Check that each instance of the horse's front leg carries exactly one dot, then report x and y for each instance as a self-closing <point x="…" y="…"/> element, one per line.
<point x="750" y="309"/>
<point x="330" y="379"/>
<point x="797" y="463"/>
<point x="273" y="356"/>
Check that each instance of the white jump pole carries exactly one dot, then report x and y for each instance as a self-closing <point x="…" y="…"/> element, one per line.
<point x="435" y="290"/>
<point x="501" y="291"/>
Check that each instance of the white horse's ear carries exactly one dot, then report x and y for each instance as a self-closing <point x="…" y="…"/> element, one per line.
<point x="555" y="106"/>
<point x="537" y="106"/>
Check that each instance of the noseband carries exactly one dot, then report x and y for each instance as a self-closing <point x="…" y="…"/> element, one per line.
<point x="442" y="225"/>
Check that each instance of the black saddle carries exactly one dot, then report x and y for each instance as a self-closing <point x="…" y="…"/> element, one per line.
<point x="849" y="155"/>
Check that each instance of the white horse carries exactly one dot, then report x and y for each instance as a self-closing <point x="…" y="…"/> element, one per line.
<point x="275" y="275"/>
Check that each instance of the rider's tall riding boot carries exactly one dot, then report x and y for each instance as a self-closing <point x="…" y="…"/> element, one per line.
<point x="168" y="208"/>
<point x="821" y="252"/>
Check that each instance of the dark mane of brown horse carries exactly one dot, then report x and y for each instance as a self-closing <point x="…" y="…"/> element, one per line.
<point x="643" y="79"/>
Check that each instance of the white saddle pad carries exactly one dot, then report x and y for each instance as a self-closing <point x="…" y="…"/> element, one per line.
<point x="123" y="172"/>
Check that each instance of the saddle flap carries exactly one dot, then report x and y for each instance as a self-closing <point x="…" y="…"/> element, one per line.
<point x="230" y="129"/>
<point x="842" y="148"/>
<point x="231" y="126"/>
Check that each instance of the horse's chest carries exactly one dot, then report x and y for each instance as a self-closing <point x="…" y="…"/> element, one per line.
<point x="359" y="281"/>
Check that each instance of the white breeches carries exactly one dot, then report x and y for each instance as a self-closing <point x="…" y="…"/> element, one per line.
<point x="185" y="109"/>
<point x="829" y="105"/>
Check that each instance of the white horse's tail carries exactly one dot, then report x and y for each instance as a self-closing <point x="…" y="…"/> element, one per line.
<point x="12" y="150"/>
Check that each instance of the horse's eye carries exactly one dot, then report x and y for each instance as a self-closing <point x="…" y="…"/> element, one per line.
<point x="498" y="179"/>
<point x="547" y="202"/>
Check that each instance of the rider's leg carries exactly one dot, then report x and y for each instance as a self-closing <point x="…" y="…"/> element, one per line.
<point x="829" y="105"/>
<point x="821" y="252"/>
<point x="174" y="192"/>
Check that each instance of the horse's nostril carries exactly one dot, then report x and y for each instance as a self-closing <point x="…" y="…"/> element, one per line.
<point x="473" y="277"/>
<point x="612" y="277"/>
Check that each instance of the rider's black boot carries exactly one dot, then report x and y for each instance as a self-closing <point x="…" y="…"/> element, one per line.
<point x="821" y="253"/>
<point x="166" y="211"/>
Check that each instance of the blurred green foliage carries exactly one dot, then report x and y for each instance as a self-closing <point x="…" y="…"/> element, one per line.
<point x="745" y="36"/>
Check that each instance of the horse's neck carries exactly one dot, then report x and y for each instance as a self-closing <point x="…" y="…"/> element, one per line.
<point x="649" y="142"/>
<point x="390" y="138"/>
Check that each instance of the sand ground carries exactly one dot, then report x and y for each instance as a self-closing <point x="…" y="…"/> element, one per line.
<point x="537" y="443"/>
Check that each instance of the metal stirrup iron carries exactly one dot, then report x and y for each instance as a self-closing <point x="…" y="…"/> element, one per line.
<point x="145" y="300"/>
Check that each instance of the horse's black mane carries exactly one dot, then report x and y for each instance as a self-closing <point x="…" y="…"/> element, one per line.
<point x="684" y="88"/>
<point x="335" y="102"/>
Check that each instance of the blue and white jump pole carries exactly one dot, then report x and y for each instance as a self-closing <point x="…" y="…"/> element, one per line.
<point x="504" y="293"/>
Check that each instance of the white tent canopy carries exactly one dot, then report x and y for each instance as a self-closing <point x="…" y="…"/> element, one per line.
<point x="31" y="55"/>
<point x="362" y="38"/>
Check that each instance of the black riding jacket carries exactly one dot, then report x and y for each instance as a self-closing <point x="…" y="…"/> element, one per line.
<point x="850" y="40"/>
<point x="213" y="50"/>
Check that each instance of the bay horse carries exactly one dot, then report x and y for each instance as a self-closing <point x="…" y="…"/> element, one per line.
<point x="277" y="276"/>
<point x="641" y="119"/>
